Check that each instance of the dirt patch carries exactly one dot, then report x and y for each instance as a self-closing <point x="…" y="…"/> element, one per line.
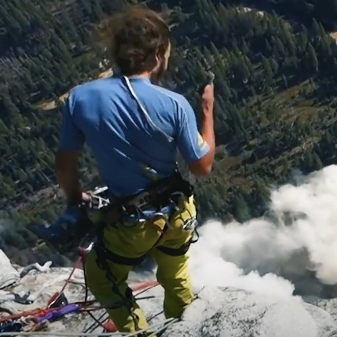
<point x="51" y="104"/>
<point x="226" y="163"/>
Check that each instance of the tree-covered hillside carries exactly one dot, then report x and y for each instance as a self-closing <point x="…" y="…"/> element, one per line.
<point x="275" y="66"/>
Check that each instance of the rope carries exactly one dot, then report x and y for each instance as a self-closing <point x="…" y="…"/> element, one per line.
<point x="33" y="312"/>
<point x="149" y="285"/>
<point x="102" y="263"/>
<point x="97" y="322"/>
<point x="86" y="306"/>
<point x="43" y="311"/>
<point x="160" y="327"/>
<point x="76" y="266"/>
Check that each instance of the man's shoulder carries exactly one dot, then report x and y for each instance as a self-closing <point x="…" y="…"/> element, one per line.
<point x="100" y="84"/>
<point x="170" y="95"/>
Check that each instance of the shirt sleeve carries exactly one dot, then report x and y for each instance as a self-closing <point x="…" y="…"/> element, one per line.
<point x="189" y="141"/>
<point x="71" y="137"/>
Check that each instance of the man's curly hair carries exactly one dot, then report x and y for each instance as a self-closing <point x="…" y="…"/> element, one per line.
<point x="134" y="38"/>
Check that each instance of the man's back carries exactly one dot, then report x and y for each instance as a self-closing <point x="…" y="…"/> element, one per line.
<point x="125" y="142"/>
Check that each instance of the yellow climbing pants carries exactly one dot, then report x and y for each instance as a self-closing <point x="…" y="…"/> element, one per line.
<point x="133" y="242"/>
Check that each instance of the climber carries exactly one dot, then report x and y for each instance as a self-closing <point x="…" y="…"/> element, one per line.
<point x="134" y="128"/>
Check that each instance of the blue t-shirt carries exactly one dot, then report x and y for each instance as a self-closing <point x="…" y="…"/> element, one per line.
<point x="130" y="147"/>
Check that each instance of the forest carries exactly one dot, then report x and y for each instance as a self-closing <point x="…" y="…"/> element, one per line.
<point x="276" y="68"/>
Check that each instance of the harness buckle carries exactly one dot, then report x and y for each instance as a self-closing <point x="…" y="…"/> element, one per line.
<point x="190" y="225"/>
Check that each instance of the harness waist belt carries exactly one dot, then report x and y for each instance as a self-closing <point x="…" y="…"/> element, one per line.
<point x="157" y="195"/>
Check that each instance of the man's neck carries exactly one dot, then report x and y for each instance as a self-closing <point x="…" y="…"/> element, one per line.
<point x="145" y="75"/>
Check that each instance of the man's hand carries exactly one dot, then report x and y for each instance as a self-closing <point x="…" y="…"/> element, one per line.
<point x="208" y="100"/>
<point x="78" y="198"/>
<point x="85" y="196"/>
<point x="204" y="165"/>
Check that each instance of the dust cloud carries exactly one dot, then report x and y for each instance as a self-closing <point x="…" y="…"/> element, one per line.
<point x="291" y="250"/>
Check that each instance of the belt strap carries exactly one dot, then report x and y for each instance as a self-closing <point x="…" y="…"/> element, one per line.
<point x="175" y="251"/>
<point x="159" y="193"/>
<point x="180" y="250"/>
<point x="126" y="261"/>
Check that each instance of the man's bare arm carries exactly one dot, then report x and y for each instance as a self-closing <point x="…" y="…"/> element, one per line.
<point x="68" y="174"/>
<point x="197" y="149"/>
<point x="70" y="144"/>
<point x="203" y="166"/>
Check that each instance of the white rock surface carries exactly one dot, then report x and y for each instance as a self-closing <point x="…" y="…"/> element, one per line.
<point x="8" y="275"/>
<point x="236" y="313"/>
<point x="215" y="313"/>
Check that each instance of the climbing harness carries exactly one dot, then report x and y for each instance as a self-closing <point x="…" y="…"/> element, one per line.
<point x="58" y="305"/>
<point x="160" y="199"/>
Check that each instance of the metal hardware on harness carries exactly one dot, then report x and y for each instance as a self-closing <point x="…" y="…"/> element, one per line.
<point x="190" y="224"/>
<point x="94" y="205"/>
<point x="96" y="202"/>
<point x="139" y="201"/>
<point x="158" y="196"/>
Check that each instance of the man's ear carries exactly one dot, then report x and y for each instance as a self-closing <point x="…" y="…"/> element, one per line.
<point x="155" y="73"/>
<point x="158" y="61"/>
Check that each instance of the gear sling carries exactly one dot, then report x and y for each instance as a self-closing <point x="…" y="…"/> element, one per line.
<point x="121" y="244"/>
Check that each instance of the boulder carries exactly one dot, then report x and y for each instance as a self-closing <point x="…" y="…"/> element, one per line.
<point x="8" y="275"/>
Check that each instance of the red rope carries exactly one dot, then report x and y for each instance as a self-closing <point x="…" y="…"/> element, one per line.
<point x="43" y="311"/>
<point x="56" y="296"/>
<point x="147" y="284"/>
<point x="33" y="312"/>
<point x="85" y="306"/>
